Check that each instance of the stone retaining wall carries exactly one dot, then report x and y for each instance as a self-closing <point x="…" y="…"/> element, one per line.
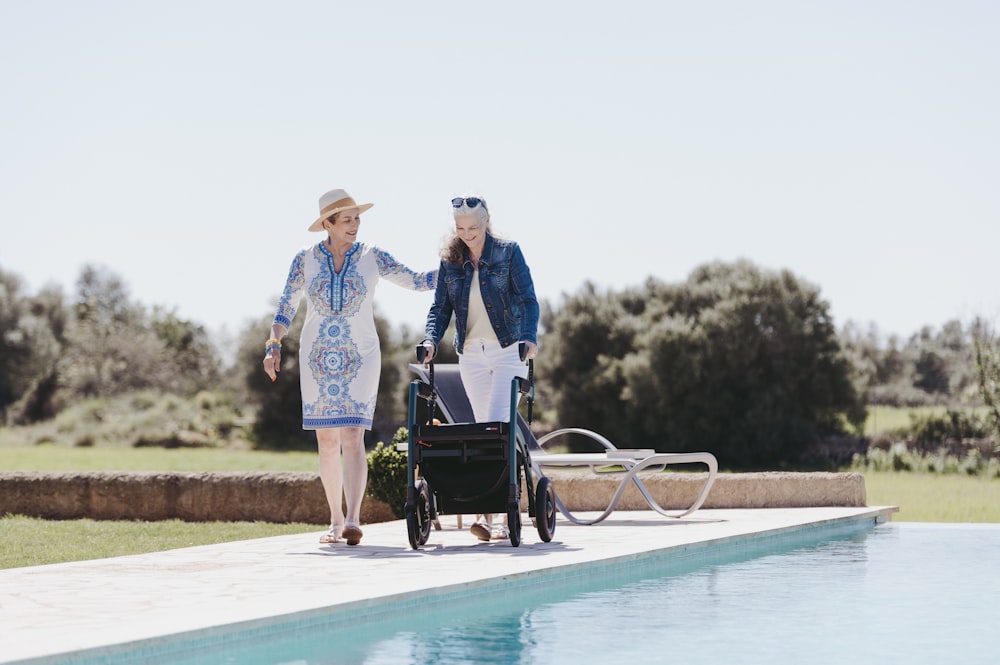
<point x="587" y="491"/>
<point x="298" y="496"/>
<point x="195" y="497"/>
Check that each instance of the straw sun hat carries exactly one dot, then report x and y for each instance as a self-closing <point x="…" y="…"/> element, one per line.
<point x="333" y="202"/>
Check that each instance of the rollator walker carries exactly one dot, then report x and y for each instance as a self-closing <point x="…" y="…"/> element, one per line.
<point x="467" y="468"/>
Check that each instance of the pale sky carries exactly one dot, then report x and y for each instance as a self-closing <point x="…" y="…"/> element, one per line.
<point x="183" y="145"/>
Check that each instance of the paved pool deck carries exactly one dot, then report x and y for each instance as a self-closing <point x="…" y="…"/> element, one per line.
<point x="105" y="606"/>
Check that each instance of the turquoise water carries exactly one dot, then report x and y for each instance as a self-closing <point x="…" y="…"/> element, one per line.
<point x="898" y="593"/>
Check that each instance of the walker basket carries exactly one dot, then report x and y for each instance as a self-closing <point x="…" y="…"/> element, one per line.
<point x="466" y="465"/>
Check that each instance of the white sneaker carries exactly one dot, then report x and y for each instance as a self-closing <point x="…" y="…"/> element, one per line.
<point x="500" y="532"/>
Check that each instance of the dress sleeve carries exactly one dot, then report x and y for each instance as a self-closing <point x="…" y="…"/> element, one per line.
<point x="394" y="271"/>
<point x="295" y="288"/>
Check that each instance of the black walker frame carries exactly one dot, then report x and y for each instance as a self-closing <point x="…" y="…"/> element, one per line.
<point x="466" y="468"/>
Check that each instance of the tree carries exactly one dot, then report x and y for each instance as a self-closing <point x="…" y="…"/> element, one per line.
<point x="12" y="339"/>
<point x="988" y="371"/>
<point x="585" y="341"/>
<point x="932" y="372"/>
<point x="931" y="367"/>
<point x="113" y="345"/>
<point x="737" y="360"/>
<point x="31" y="340"/>
<point x="194" y="360"/>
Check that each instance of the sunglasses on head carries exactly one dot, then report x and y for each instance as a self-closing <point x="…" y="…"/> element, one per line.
<point x="471" y="202"/>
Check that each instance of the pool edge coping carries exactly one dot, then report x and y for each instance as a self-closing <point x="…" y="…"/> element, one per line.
<point x="863" y="519"/>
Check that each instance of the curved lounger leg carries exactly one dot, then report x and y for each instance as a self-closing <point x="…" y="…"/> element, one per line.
<point x="707" y="459"/>
<point x="631" y="475"/>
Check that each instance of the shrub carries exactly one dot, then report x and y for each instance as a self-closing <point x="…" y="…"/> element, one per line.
<point x="898" y="457"/>
<point x="738" y="360"/>
<point x="387" y="473"/>
<point x="932" y="430"/>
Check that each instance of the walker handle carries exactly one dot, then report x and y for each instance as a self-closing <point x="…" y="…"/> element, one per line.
<point x="530" y="390"/>
<point x="432" y="402"/>
<point x="421" y="354"/>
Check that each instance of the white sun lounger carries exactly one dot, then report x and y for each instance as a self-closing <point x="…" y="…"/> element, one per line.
<point x="631" y="460"/>
<point x="455" y="406"/>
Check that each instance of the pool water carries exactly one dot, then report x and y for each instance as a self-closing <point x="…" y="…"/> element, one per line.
<point x="898" y="593"/>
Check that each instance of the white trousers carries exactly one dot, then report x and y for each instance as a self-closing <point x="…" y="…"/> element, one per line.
<point x="487" y="370"/>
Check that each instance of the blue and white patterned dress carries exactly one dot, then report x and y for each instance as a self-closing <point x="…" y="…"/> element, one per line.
<point x="339" y="355"/>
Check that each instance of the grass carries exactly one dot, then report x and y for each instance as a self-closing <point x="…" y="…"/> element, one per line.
<point x="29" y="541"/>
<point x="209" y="419"/>
<point x="61" y="458"/>
<point x="34" y="542"/>
<point x="925" y="497"/>
<point x="888" y="419"/>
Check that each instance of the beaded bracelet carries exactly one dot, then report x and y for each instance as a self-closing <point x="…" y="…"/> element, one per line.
<point x="272" y="344"/>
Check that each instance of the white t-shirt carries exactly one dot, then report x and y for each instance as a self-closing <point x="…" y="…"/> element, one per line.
<point x="479" y="326"/>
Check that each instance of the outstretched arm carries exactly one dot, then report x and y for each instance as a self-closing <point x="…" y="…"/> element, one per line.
<point x="397" y="273"/>
<point x="524" y="295"/>
<point x="290" y="297"/>
<point x="439" y="315"/>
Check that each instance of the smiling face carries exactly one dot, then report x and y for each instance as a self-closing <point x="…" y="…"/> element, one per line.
<point x="472" y="231"/>
<point x="343" y="227"/>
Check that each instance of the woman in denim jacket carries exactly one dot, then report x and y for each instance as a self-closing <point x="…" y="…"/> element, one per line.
<point x="490" y="320"/>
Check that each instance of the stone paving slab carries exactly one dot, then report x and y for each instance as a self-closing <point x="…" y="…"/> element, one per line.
<point x="60" y="608"/>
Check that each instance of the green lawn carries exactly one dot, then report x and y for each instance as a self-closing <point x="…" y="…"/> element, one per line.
<point x="35" y="542"/>
<point x="883" y="419"/>
<point x="925" y="497"/>
<point x="63" y="458"/>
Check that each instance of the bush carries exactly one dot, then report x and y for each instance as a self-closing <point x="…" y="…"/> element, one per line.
<point x="932" y="430"/>
<point x="898" y="457"/>
<point x="737" y="360"/>
<point x="141" y="419"/>
<point x="387" y="473"/>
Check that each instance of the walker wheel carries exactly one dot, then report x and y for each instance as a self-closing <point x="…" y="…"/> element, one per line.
<point x="545" y="509"/>
<point x="514" y="524"/>
<point x="419" y="519"/>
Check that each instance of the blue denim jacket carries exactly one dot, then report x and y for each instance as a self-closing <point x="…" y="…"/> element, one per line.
<point x="508" y="293"/>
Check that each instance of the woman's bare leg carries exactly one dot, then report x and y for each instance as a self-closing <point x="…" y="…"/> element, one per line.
<point x="355" y="464"/>
<point x="331" y="472"/>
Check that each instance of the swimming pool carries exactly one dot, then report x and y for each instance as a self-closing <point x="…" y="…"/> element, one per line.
<point x="902" y="592"/>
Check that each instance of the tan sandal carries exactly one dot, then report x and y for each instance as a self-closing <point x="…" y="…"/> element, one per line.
<point x="332" y="536"/>
<point x="352" y="534"/>
<point x="481" y="531"/>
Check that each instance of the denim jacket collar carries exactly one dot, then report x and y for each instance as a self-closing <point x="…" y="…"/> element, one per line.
<point x="484" y="258"/>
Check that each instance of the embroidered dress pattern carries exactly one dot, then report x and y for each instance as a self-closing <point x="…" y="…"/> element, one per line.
<point x="339" y="356"/>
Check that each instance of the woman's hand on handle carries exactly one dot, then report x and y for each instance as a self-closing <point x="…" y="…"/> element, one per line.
<point x="531" y="350"/>
<point x="429" y="351"/>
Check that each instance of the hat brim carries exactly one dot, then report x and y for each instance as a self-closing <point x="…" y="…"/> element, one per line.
<point x="318" y="224"/>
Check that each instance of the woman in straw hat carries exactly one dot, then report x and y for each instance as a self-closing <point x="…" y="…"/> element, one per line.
<point x="339" y="355"/>
<point x="485" y="282"/>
